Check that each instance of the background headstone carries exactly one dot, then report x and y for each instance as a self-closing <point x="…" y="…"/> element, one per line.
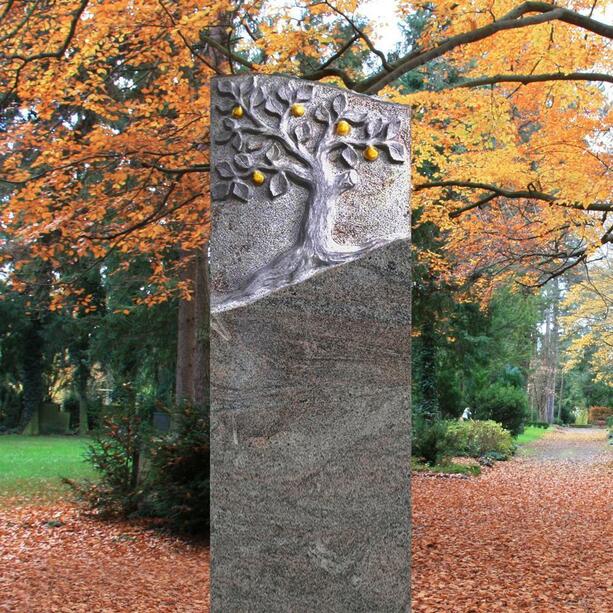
<point x="310" y="349"/>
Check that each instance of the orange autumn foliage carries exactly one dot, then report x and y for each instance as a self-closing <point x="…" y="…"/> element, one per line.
<point x="105" y="114"/>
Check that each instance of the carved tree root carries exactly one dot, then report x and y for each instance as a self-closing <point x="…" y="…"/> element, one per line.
<point x="290" y="268"/>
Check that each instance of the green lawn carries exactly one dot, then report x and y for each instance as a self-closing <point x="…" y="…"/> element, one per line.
<point x="531" y="433"/>
<point x="31" y="467"/>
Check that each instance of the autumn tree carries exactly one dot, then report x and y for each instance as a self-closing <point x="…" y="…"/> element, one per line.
<point x="587" y="323"/>
<point x="105" y="118"/>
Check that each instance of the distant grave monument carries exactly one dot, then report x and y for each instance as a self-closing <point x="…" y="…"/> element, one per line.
<point x="310" y="349"/>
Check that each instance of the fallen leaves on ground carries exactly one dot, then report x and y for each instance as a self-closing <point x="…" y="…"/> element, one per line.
<point x="533" y="534"/>
<point x="55" y="559"/>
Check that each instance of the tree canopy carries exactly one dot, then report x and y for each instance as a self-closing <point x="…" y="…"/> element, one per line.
<point x="105" y="113"/>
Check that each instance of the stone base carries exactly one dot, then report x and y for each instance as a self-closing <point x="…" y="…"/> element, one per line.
<point x="310" y="444"/>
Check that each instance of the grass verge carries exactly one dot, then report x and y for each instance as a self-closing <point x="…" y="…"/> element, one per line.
<point x="31" y="467"/>
<point x="531" y="433"/>
<point x="450" y="468"/>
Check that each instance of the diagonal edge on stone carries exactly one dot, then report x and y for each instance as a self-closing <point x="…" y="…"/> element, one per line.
<point x="327" y="197"/>
<point x="311" y="445"/>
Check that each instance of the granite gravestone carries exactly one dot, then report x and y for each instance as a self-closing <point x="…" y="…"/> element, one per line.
<point x="310" y="349"/>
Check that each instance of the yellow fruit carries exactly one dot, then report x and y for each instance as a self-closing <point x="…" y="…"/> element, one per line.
<point x="258" y="177"/>
<point x="370" y="153"/>
<point x="238" y="112"/>
<point x="343" y="128"/>
<point x="297" y="110"/>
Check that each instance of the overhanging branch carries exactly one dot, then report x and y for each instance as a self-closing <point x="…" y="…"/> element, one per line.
<point x="496" y="192"/>
<point x="513" y="20"/>
<point x="536" y="78"/>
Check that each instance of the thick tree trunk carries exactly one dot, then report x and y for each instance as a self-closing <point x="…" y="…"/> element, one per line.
<point x="553" y="352"/>
<point x="82" y="378"/>
<point x="192" y="374"/>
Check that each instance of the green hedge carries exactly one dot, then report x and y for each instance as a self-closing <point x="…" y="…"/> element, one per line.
<point x="435" y="441"/>
<point x="477" y="438"/>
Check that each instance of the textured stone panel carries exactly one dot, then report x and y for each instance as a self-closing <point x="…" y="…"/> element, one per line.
<point x="311" y="444"/>
<point x="310" y="349"/>
<point x="321" y="202"/>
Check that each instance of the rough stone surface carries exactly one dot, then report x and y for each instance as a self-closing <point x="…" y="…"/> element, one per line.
<point x="310" y="352"/>
<point x="321" y="203"/>
<point x="311" y="444"/>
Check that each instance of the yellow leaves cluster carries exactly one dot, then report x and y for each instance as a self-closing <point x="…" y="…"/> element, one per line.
<point x="588" y="321"/>
<point x="545" y="135"/>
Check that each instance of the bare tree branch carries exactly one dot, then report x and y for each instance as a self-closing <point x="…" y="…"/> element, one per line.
<point x="496" y="192"/>
<point x="536" y="78"/>
<point x="512" y="20"/>
<point x="361" y="34"/>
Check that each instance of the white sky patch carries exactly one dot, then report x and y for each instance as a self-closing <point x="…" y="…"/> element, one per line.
<point x="382" y="14"/>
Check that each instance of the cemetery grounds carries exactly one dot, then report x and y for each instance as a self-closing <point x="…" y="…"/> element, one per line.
<point x="531" y="534"/>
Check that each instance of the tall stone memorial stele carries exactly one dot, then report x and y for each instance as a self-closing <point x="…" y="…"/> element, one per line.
<point x="310" y="349"/>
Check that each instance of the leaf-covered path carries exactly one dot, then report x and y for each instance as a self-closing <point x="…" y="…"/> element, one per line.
<point x="533" y="534"/>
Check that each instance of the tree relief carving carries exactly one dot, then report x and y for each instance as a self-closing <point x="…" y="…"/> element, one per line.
<point x="279" y="136"/>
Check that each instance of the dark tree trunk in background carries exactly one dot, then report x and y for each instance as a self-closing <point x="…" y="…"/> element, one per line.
<point x="192" y="375"/>
<point x="33" y="368"/>
<point x="81" y="379"/>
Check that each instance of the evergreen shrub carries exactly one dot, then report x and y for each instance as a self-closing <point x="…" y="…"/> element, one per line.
<point x="178" y="479"/>
<point x="505" y="404"/>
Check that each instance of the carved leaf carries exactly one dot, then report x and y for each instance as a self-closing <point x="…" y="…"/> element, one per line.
<point x="257" y="97"/>
<point x="274" y="107"/>
<point x="322" y="114"/>
<point x="396" y="151"/>
<point x="227" y="132"/>
<point x="246" y="86"/>
<point x="304" y="93"/>
<point x="224" y="105"/>
<point x="237" y="141"/>
<point x="279" y="185"/>
<point x="374" y="127"/>
<point x="243" y="160"/>
<point x="273" y="153"/>
<point x="350" y="157"/>
<point x="223" y="136"/>
<point x="284" y="93"/>
<point x="220" y="191"/>
<point x="241" y="190"/>
<point x="339" y="103"/>
<point x="392" y="129"/>
<point x="303" y="132"/>
<point x="348" y="179"/>
<point x="355" y="117"/>
<point x="225" y="87"/>
<point x="224" y="170"/>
